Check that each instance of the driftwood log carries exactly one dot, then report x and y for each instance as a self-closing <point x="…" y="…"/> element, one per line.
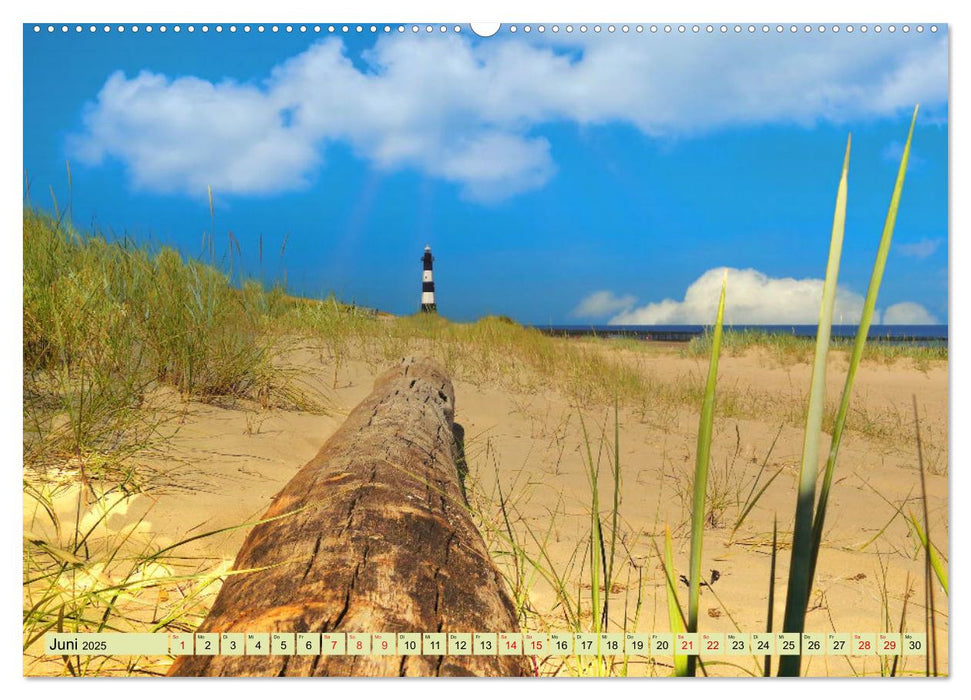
<point x="378" y="539"/>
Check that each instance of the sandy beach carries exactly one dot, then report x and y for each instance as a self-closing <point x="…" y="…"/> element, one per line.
<point x="223" y="464"/>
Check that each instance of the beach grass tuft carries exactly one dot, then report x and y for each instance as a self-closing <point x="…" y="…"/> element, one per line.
<point x="702" y="459"/>
<point x="810" y="516"/>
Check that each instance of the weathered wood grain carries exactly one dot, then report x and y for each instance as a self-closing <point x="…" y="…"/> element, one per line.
<point x="378" y="540"/>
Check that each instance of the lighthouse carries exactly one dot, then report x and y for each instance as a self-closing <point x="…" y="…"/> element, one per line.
<point x="427" y="283"/>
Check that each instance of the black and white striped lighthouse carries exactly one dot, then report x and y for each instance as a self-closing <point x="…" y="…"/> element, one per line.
<point x="427" y="283"/>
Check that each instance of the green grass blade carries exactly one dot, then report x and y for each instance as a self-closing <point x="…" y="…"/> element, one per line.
<point x="903" y="620"/>
<point x="596" y="539"/>
<point x="767" y="669"/>
<point x="595" y="535"/>
<point x="753" y="498"/>
<point x="797" y="592"/>
<point x="70" y="191"/>
<point x="928" y="552"/>
<point x="752" y="503"/>
<point x="702" y="458"/>
<point x="936" y="564"/>
<point x="57" y="209"/>
<point x="869" y="307"/>
<point x="675" y="616"/>
<point x="212" y="226"/>
<point x="614" y="514"/>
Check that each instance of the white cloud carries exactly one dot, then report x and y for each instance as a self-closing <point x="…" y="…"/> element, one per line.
<point x="908" y="314"/>
<point x="465" y="111"/>
<point x="184" y="134"/>
<point x="921" y="249"/>
<point x="603" y="303"/>
<point x="752" y="297"/>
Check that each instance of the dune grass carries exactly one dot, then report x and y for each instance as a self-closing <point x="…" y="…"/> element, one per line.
<point x="116" y="339"/>
<point x="497" y="352"/>
<point x="81" y="574"/>
<point x="699" y="506"/>
<point x="85" y="573"/>
<point x="786" y="348"/>
<point x="598" y="588"/>
<point x="801" y="567"/>
<point x="810" y="513"/>
<point x="107" y="324"/>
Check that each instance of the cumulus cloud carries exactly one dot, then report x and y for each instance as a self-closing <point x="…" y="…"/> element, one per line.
<point x="467" y="111"/>
<point x="908" y="313"/>
<point x="185" y="134"/>
<point x="753" y="297"/>
<point x="602" y="304"/>
<point x="921" y="249"/>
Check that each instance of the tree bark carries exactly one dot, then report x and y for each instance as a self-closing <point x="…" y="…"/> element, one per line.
<point x="374" y="536"/>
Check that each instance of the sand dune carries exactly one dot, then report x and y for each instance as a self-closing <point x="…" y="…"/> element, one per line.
<point x="224" y="464"/>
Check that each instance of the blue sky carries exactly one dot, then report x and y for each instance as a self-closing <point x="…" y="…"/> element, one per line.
<point x="565" y="179"/>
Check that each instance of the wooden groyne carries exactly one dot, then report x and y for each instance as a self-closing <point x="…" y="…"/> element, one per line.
<point x="375" y="537"/>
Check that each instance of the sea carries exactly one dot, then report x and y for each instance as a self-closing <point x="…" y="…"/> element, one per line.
<point x="919" y="335"/>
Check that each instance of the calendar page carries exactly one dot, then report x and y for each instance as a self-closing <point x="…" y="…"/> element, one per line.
<point x="525" y="349"/>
